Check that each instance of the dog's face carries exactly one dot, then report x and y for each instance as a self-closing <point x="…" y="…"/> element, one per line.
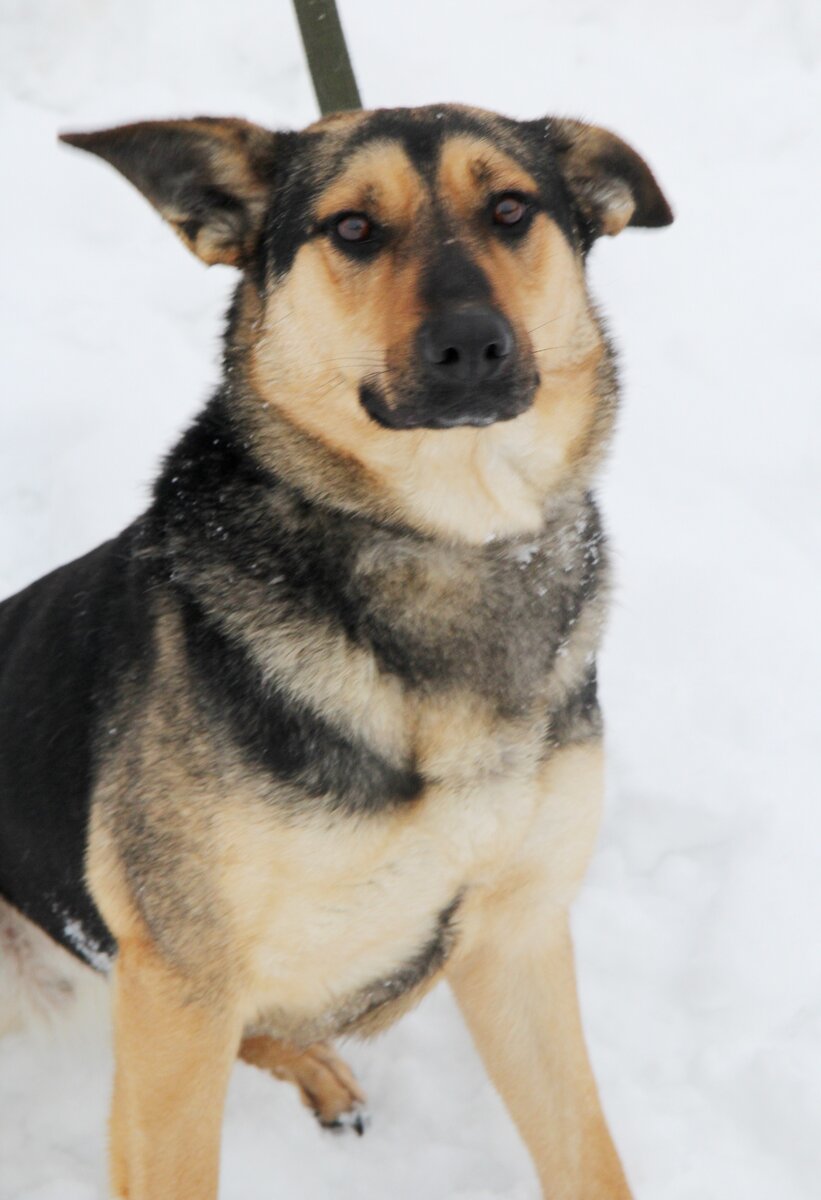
<point x="408" y="269"/>
<point x="413" y="244"/>
<point x="433" y="251"/>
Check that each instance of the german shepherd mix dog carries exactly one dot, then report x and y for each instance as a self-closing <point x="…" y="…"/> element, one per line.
<point x="320" y="728"/>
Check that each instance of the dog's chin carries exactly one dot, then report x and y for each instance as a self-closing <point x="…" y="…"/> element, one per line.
<point x="425" y="415"/>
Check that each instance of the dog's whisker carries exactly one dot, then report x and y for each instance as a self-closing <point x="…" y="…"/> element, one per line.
<point x="267" y="327"/>
<point x="324" y="362"/>
<point x="543" y="323"/>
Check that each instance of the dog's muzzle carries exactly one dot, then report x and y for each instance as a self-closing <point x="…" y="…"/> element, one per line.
<point x="467" y="373"/>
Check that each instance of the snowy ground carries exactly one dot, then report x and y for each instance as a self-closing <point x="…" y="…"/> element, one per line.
<point x="698" y="928"/>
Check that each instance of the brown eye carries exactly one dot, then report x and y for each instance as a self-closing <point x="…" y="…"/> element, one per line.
<point x="354" y="228"/>
<point x="509" y="210"/>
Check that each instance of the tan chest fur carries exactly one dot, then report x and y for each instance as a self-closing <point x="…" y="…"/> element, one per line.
<point x="310" y="914"/>
<point x="327" y="908"/>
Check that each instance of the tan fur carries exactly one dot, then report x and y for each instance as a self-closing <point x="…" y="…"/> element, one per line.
<point x="327" y="326"/>
<point x="609" y="200"/>
<point x="336" y="120"/>
<point x="325" y="1082"/>
<point x="315" y="663"/>
<point x="519" y="866"/>
<point x="513" y="976"/>
<point x="266" y="870"/>
<point x="173" y="1061"/>
<point x="255" y="915"/>
<point x="379" y="179"/>
<point x="298" y="926"/>
<point x="232" y="170"/>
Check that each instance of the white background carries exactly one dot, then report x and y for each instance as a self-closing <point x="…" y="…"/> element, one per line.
<point x="698" y="929"/>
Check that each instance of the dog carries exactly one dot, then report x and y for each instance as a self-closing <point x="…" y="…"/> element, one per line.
<point x="321" y="727"/>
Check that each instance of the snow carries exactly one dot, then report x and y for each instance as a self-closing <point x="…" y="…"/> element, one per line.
<point x="697" y="931"/>
<point x="524" y="553"/>
<point x="86" y="946"/>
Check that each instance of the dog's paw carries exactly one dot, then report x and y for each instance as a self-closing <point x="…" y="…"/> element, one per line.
<point x="325" y="1081"/>
<point x="356" y="1120"/>
<point x="328" y="1086"/>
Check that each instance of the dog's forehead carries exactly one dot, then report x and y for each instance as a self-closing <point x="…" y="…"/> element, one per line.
<point x="388" y="160"/>
<point x="429" y="145"/>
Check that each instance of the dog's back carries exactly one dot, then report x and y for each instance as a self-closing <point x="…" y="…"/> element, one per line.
<point x="65" y="642"/>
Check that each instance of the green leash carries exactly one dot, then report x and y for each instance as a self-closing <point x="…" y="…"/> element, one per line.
<point x="328" y="59"/>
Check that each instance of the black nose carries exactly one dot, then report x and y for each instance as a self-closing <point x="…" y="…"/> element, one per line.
<point x="465" y="345"/>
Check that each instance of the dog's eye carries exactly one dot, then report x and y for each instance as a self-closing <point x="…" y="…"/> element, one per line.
<point x="511" y="214"/>
<point x="354" y="227"/>
<point x="509" y="210"/>
<point x="355" y="234"/>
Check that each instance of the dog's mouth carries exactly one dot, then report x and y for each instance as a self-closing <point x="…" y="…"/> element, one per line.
<point x="477" y="408"/>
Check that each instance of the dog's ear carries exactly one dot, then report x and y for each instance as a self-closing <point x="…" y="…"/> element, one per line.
<point x="610" y="183"/>
<point x="208" y="177"/>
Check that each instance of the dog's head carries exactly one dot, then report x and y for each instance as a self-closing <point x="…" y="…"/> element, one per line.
<point x="409" y="269"/>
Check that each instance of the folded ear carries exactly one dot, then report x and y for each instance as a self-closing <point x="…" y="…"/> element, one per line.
<point x="611" y="184"/>
<point x="209" y="178"/>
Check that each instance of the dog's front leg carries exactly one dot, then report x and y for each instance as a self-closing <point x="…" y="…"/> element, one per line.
<point x="514" y="979"/>
<point x="173" y="1059"/>
<point x="520" y="1004"/>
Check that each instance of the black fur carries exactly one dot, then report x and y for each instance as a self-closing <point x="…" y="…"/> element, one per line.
<point x="69" y="644"/>
<point x="452" y="277"/>
<point x="77" y="641"/>
<point x="284" y="737"/>
<point x="230" y="544"/>
<point x="215" y="507"/>
<point x="301" y="173"/>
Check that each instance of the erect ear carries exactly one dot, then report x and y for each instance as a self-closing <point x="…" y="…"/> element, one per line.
<point x="208" y="177"/>
<point x="611" y="184"/>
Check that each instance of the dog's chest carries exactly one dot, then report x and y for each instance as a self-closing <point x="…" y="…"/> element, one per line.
<point x="488" y="620"/>
<point x="342" y="917"/>
<point x="350" y="914"/>
<point x="424" y="659"/>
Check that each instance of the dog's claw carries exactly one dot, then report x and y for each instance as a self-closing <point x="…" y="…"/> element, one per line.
<point x="356" y="1120"/>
